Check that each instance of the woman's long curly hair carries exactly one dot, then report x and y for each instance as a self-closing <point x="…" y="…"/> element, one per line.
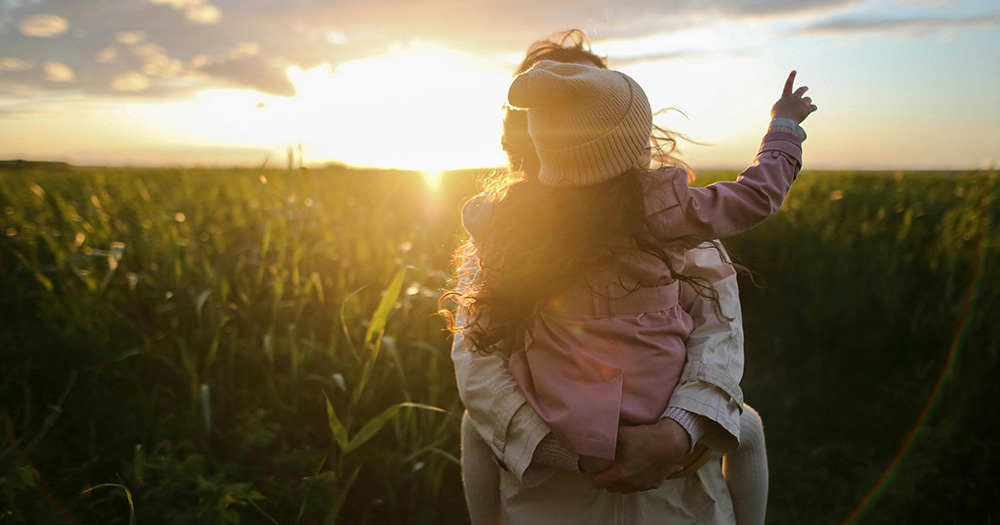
<point x="541" y="240"/>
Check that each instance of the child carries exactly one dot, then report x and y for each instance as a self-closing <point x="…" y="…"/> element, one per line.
<point x="586" y="259"/>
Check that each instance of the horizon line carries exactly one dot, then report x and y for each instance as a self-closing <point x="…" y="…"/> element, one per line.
<point x="23" y="162"/>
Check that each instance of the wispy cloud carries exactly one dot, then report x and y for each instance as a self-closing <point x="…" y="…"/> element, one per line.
<point x="58" y="72"/>
<point x="15" y="64"/>
<point x="156" y="62"/>
<point x="108" y="54"/>
<point x="195" y="10"/>
<point x="778" y="7"/>
<point x="913" y="26"/>
<point x="243" y="50"/>
<point x="44" y="25"/>
<point x="130" y="37"/>
<point x="656" y="57"/>
<point x="266" y="74"/>
<point x="130" y="81"/>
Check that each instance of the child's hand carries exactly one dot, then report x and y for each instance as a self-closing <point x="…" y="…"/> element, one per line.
<point x="792" y="105"/>
<point x="592" y="465"/>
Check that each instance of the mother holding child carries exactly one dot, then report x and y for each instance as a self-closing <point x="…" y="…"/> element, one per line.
<point x="598" y="337"/>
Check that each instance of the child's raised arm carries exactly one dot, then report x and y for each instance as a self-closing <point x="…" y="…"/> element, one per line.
<point x="724" y="209"/>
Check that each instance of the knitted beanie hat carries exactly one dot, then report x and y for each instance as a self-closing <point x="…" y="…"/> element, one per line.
<point x="588" y="124"/>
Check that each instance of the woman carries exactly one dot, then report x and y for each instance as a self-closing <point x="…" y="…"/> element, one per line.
<point x="541" y="479"/>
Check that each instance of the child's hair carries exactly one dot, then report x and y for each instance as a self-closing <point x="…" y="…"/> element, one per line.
<point x="550" y="239"/>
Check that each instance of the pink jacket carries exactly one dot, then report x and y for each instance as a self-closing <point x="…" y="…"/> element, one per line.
<point x="599" y="356"/>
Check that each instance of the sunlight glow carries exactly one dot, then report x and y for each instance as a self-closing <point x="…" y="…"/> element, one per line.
<point x="422" y="108"/>
<point x="433" y="179"/>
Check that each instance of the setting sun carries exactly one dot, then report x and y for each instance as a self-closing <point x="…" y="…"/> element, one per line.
<point x="433" y="178"/>
<point x="423" y="108"/>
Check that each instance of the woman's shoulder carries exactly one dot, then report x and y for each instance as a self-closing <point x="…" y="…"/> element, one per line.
<point x="477" y="214"/>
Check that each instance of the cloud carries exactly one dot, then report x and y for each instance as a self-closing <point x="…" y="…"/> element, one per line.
<point x="130" y="37"/>
<point x="263" y="74"/>
<point x="204" y="14"/>
<point x="243" y="50"/>
<point x="933" y="3"/>
<point x="130" y="81"/>
<point x="616" y="63"/>
<point x="163" y="66"/>
<point x="155" y="61"/>
<point x="108" y="54"/>
<point x="15" y="64"/>
<point x="242" y="65"/>
<point x="913" y="26"/>
<point x="44" y="25"/>
<point x="200" y="61"/>
<point x="194" y="10"/>
<point x="58" y="72"/>
<point x="777" y="7"/>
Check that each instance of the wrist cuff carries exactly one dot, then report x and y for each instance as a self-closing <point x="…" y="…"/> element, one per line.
<point x="551" y="453"/>
<point x="787" y="125"/>
<point x="695" y="425"/>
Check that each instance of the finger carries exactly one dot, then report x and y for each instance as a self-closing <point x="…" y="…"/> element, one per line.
<point x="813" y="108"/>
<point x="617" y="488"/>
<point x="608" y="477"/>
<point x="788" y="84"/>
<point x="807" y="100"/>
<point x="801" y="91"/>
<point x="644" y="485"/>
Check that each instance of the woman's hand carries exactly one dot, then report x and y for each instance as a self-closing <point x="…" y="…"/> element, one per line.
<point x="593" y="465"/>
<point x="644" y="457"/>
<point x="792" y="105"/>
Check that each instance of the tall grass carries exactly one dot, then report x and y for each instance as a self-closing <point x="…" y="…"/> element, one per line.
<point x="204" y="316"/>
<point x="246" y="346"/>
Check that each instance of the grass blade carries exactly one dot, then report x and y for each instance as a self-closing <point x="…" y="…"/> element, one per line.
<point x="373" y="337"/>
<point x="128" y="494"/>
<point x="385" y="306"/>
<point x="338" y="501"/>
<point x="336" y="427"/>
<point x="376" y="423"/>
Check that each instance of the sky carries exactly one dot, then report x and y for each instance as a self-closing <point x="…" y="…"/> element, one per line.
<point x="420" y="84"/>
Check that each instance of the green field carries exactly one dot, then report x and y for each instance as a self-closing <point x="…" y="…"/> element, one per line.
<point x="169" y="340"/>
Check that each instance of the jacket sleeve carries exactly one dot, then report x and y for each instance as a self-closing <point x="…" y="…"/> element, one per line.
<point x="710" y="382"/>
<point x="497" y="408"/>
<point x="725" y="209"/>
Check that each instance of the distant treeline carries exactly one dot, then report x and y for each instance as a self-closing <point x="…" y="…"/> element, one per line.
<point x="19" y="164"/>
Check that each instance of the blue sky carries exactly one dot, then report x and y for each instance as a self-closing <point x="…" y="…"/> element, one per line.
<point x="899" y="83"/>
